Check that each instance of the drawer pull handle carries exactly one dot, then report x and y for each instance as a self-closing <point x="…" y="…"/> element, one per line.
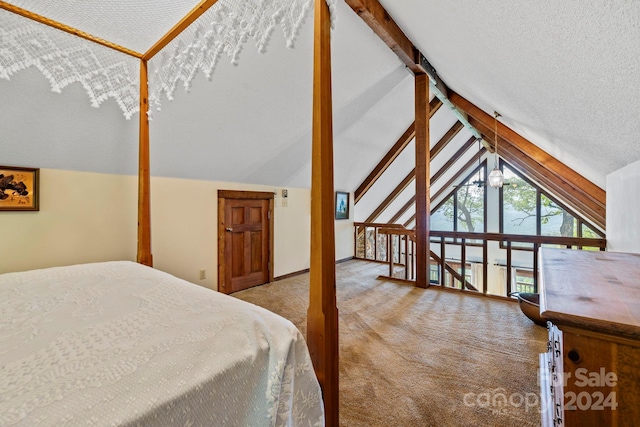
<point x="574" y="356"/>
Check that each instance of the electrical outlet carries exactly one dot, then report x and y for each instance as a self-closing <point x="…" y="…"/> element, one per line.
<point x="285" y="203"/>
<point x="203" y="274"/>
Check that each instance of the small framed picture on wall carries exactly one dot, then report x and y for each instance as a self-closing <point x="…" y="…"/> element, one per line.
<point x="19" y="189"/>
<point x="342" y="205"/>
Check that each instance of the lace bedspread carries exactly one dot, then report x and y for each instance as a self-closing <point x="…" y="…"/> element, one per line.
<point x="118" y="343"/>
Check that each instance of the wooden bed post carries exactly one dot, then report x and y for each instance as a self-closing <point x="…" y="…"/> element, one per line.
<point x="423" y="159"/>
<point x="144" y="180"/>
<point x="322" y="315"/>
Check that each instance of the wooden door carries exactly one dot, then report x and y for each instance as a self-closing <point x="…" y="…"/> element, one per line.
<point x="245" y="240"/>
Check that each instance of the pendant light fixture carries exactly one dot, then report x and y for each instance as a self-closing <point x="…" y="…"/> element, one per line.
<point x="496" y="179"/>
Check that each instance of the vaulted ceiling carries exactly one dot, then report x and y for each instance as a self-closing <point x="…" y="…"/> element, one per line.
<point x="562" y="74"/>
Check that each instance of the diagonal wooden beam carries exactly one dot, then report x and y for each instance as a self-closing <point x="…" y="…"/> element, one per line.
<point x="407" y="222"/>
<point x="386" y="161"/>
<point x="553" y="183"/>
<point x="386" y="28"/>
<point x="403" y="210"/>
<point x="392" y="196"/>
<point x="453" y="272"/>
<point x="391" y="155"/>
<point x="574" y="189"/>
<point x="379" y="20"/>
<point x="453" y="159"/>
<point x="446" y="139"/>
<point x="189" y="18"/>
<point x="453" y="179"/>
<point x="434" y="179"/>
<point x="434" y="106"/>
<point x="67" y="29"/>
<point x="433" y="153"/>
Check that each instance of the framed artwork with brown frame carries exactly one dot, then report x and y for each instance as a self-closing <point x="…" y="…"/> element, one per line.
<point x="19" y="189"/>
<point x="342" y="205"/>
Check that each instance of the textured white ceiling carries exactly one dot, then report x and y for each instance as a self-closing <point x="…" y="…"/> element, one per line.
<point x="562" y="73"/>
<point x="134" y="24"/>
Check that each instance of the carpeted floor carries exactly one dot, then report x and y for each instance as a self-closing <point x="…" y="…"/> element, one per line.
<point x="415" y="357"/>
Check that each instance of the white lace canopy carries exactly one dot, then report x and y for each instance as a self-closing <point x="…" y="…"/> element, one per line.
<point x="105" y="73"/>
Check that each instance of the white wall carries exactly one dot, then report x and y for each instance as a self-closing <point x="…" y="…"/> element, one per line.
<point x="623" y="204"/>
<point x="84" y="217"/>
<point x="90" y="217"/>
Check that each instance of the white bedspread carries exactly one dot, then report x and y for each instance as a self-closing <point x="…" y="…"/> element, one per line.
<point x="118" y="343"/>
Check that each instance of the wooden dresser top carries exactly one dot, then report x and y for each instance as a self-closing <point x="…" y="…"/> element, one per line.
<point x="599" y="291"/>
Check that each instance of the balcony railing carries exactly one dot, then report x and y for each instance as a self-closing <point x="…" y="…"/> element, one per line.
<point x="489" y="263"/>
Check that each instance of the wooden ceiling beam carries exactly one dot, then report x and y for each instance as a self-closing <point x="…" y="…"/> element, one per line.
<point x="529" y="162"/>
<point x="446" y="139"/>
<point x="453" y="159"/>
<point x="434" y="179"/>
<point x="434" y="106"/>
<point x="403" y="210"/>
<point x="391" y="155"/>
<point x="466" y="166"/>
<point x="579" y="182"/>
<point x="372" y="12"/>
<point x="386" y="161"/>
<point x="189" y="18"/>
<point x="392" y="196"/>
<point x="409" y="221"/>
<point x="432" y="154"/>
<point x="553" y="183"/>
<point x="67" y="29"/>
<point x="379" y="20"/>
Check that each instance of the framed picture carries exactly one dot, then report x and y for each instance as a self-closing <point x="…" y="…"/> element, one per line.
<point x="342" y="205"/>
<point x="19" y="189"/>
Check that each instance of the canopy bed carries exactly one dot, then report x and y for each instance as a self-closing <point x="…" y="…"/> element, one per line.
<point x="119" y="343"/>
<point x="121" y="50"/>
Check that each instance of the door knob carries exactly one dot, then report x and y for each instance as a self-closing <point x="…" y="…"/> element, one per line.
<point x="229" y="229"/>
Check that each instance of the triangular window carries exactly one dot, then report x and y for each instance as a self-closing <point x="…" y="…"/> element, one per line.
<point x="464" y="208"/>
<point x="526" y="209"/>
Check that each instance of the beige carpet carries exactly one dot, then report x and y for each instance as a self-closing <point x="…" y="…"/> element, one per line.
<point x="414" y="357"/>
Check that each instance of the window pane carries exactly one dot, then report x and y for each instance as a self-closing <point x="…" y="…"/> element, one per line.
<point x="471" y="204"/>
<point x="442" y="219"/>
<point x="555" y="221"/>
<point x="588" y="232"/>
<point x="519" y="207"/>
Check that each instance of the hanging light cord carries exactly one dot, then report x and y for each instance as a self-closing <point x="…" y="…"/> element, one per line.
<point x="495" y="130"/>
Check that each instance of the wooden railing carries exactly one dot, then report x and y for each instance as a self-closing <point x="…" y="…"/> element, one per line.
<point x="456" y="253"/>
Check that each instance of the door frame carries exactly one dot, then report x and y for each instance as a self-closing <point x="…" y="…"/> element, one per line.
<point x="240" y="195"/>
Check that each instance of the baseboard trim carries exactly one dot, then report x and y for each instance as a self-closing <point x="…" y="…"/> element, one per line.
<point x="294" y="274"/>
<point x="306" y="270"/>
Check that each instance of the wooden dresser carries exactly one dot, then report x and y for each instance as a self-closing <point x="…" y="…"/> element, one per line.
<point x="590" y="375"/>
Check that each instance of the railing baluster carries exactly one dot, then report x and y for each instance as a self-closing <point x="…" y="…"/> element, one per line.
<point x="355" y="242"/>
<point x="375" y="243"/>
<point x="463" y="256"/>
<point x="366" y="231"/>
<point x="406" y="257"/>
<point x="390" y="253"/>
<point x="485" y="266"/>
<point x="535" y="267"/>
<point x="510" y="242"/>
<point x="442" y="266"/>
<point x="508" y="267"/>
